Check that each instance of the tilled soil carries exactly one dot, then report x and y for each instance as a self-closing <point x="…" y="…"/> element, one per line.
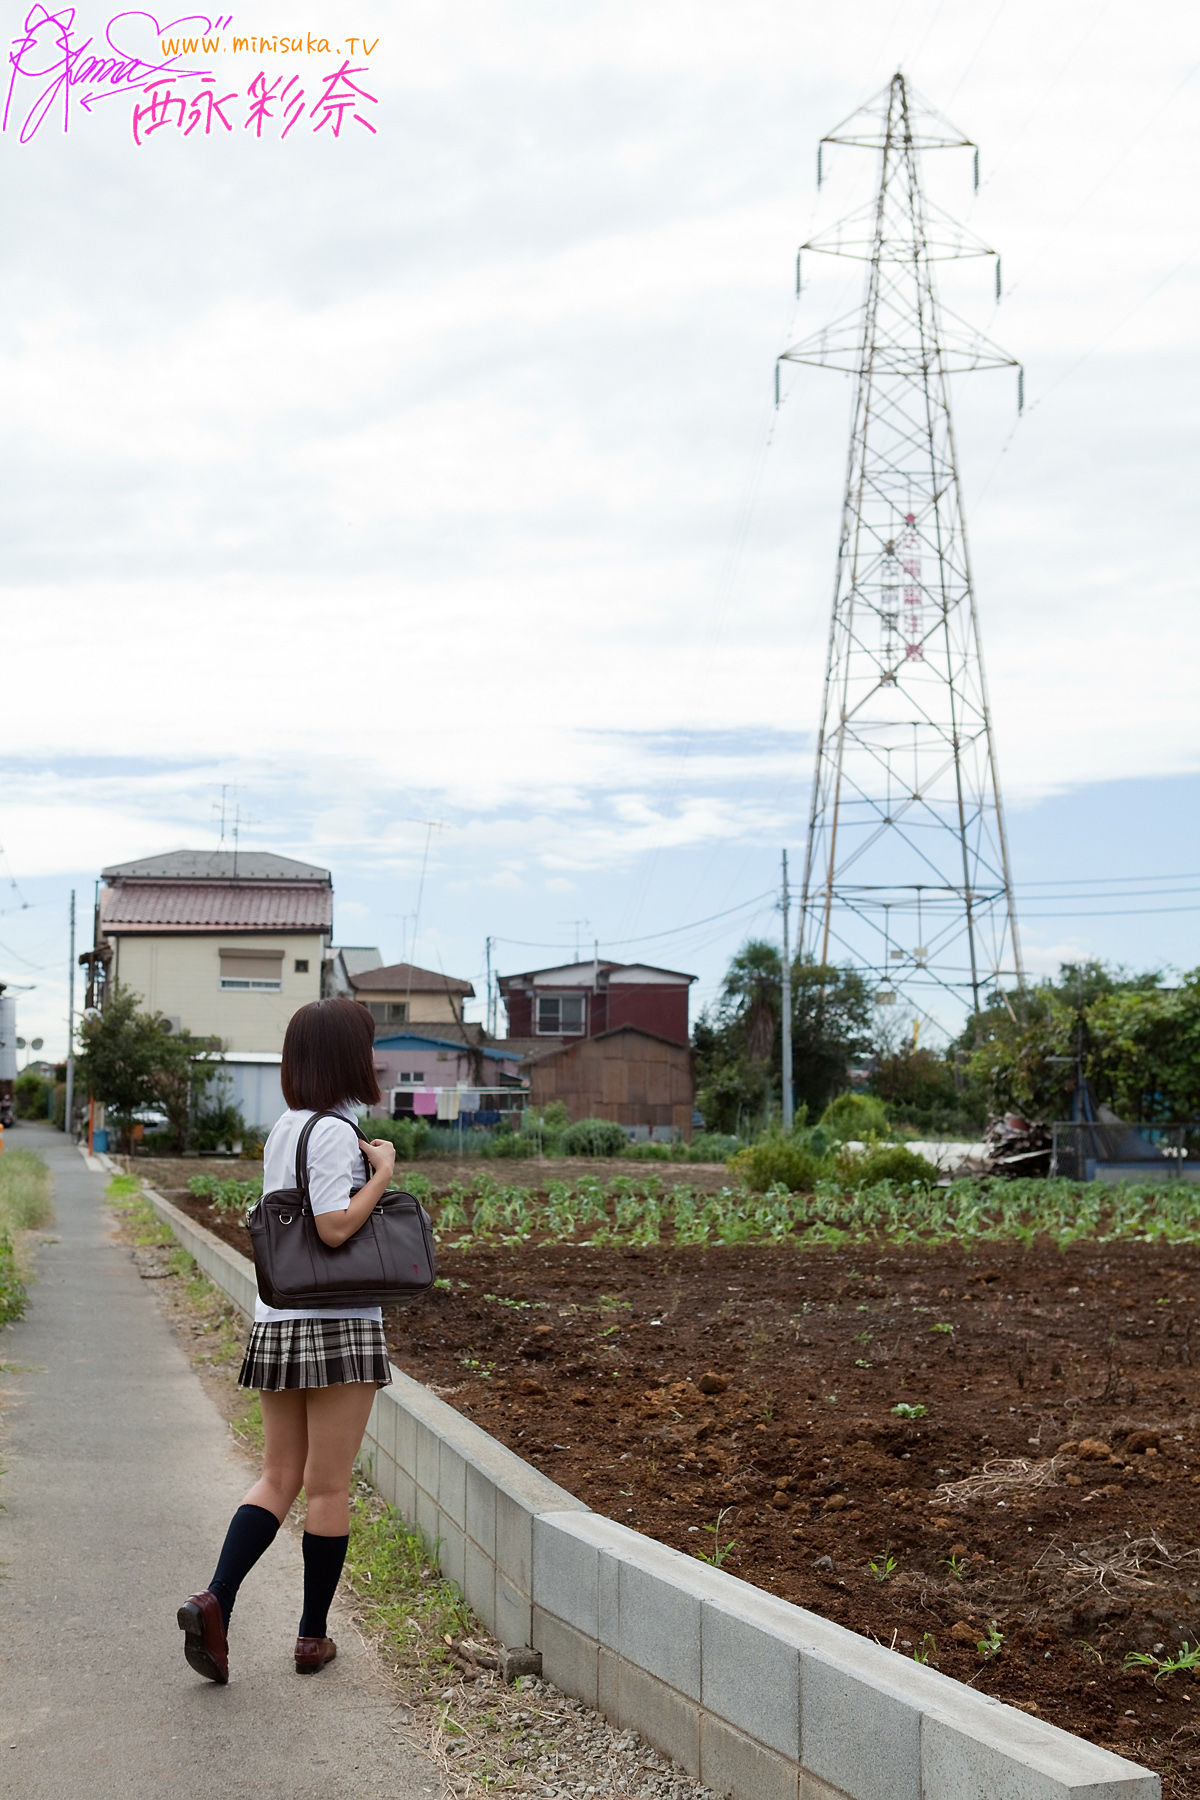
<point x="1029" y="1528"/>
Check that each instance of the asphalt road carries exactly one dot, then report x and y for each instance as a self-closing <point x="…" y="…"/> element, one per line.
<point x="118" y="1482"/>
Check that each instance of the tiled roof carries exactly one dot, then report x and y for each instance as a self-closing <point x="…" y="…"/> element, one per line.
<point x="216" y="906"/>
<point x="215" y="865"/>
<point x="406" y="978"/>
<point x="421" y="1037"/>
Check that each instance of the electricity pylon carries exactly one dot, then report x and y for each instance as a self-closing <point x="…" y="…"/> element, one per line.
<point x="906" y="872"/>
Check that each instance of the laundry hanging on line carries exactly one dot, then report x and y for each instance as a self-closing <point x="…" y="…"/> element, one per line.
<point x="425" y="1102"/>
<point x="448" y="1103"/>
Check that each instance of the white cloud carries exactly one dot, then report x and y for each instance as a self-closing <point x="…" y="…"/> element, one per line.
<point x="446" y="494"/>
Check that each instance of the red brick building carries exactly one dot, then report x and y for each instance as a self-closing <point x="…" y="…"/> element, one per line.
<point x="610" y="1040"/>
<point x="586" y="999"/>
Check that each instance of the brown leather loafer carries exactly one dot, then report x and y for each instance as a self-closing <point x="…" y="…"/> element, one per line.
<point x="313" y="1653"/>
<point x="204" y="1642"/>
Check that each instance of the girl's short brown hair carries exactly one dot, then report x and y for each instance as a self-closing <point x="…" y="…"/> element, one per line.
<point x="328" y="1056"/>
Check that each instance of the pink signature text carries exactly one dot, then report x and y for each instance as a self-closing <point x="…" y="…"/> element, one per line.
<point x="51" y="65"/>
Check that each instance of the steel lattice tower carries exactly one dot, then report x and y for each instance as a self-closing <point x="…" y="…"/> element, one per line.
<point x="906" y="872"/>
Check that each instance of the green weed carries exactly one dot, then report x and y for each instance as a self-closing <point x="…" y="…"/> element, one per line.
<point x="1184" y="1663"/>
<point x="719" y="1551"/>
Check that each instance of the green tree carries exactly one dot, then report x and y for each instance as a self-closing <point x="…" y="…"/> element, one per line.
<point x="1137" y="1039"/>
<point x="130" y="1061"/>
<point x="31" y="1092"/>
<point x="739" y="1044"/>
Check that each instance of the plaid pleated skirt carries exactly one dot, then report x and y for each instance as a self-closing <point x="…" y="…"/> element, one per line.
<point x="312" y="1353"/>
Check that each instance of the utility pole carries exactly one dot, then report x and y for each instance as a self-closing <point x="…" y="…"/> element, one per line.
<point x="906" y="872"/>
<point x="788" y="1091"/>
<point x="490" y="1009"/>
<point x="70" y="1094"/>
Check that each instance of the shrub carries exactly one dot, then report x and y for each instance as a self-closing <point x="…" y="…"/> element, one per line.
<point x="890" y="1162"/>
<point x="712" y="1146"/>
<point x="594" y="1137"/>
<point x="32" y="1095"/>
<point x="214" y="1127"/>
<point x="779" y="1159"/>
<point x="652" y="1152"/>
<point x="511" y="1144"/>
<point x="554" y="1117"/>
<point x="410" y="1136"/>
<point x="855" y="1116"/>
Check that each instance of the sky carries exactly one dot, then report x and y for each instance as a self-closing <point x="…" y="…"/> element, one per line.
<point x="421" y="490"/>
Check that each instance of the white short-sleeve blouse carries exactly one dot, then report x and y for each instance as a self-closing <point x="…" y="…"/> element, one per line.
<point x="335" y="1165"/>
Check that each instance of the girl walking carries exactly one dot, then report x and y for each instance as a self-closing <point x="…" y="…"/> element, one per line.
<point x="317" y="1370"/>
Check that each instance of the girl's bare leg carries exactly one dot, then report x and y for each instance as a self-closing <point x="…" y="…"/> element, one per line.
<point x="336" y="1419"/>
<point x="285" y="1452"/>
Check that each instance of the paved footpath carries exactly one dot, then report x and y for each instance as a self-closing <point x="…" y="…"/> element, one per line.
<point x="119" y="1479"/>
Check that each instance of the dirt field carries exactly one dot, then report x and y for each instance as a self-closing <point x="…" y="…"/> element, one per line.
<point x="1030" y="1527"/>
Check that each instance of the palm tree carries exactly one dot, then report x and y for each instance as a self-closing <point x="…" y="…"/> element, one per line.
<point x="751" y="994"/>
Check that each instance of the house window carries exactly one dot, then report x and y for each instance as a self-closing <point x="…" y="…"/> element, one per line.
<point x="561" y="1015"/>
<point x="389" y="1012"/>
<point x="252" y="970"/>
<point x="411" y="1075"/>
<point x="302" y="965"/>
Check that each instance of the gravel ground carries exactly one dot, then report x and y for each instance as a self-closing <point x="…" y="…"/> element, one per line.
<point x="530" y="1739"/>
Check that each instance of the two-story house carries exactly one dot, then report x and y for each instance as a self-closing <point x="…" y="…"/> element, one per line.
<point x="225" y="944"/>
<point x="608" y="1039"/>
<point x="401" y="994"/>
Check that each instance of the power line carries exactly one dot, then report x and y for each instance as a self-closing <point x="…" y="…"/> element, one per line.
<point x="648" y="937"/>
<point x="1101" y="880"/>
<point x="1119" y="912"/>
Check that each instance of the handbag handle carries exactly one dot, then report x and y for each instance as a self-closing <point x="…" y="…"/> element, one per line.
<point x="302" y="1150"/>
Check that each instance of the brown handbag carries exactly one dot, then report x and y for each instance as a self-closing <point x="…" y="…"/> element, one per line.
<point x="389" y="1258"/>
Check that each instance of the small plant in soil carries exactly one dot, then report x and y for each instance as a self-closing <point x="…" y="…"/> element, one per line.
<point x="926" y="1650"/>
<point x="992" y="1641"/>
<point x="956" y="1566"/>
<point x="910" y="1410"/>
<point x="885" y="1567"/>
<point x="1187" y="1661"/>
<point x="719" y="1550"/>
<point x="944" y="1327"/>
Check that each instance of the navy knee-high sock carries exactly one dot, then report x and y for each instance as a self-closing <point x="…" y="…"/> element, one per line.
<point x="323" y="1559"/>
<point x="251" y="1531"/>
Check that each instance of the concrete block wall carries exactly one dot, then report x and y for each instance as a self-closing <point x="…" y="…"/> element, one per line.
<point x="758" y="1698"/>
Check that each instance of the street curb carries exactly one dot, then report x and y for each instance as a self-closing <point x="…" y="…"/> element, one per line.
<point x="758" y="1698"/>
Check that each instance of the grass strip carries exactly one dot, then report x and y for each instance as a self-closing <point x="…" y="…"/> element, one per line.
<point x="24" y="1207"/>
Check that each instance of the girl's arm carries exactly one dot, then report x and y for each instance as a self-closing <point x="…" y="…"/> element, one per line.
<point x="333" y="1228"/>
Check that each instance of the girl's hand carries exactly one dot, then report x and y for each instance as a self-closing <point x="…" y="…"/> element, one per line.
<point x="380" y="1154"/>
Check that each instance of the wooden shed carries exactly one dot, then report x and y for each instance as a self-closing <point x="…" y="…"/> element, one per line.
<point x="628" y="1075"/>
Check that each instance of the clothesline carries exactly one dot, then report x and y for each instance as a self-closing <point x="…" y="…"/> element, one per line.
<point x="449" y="1103"/>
